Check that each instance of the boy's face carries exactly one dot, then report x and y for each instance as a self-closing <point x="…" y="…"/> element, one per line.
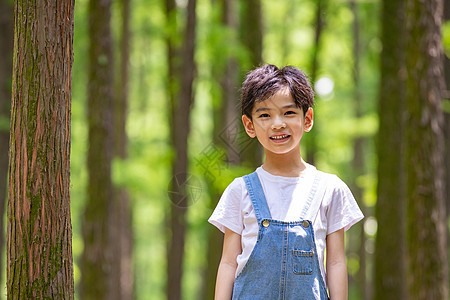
<point x="278" y="123"/>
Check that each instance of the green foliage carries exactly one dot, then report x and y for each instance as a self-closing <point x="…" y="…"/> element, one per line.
<point x="446" y="105"/>
<point x="446" y="38"/>
<point x="4" y="123"/>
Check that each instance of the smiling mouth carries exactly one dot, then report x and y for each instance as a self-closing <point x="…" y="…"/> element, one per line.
<point x="279" y="137"/>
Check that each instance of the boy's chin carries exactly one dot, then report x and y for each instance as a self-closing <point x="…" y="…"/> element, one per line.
<point x="287" y="151"/>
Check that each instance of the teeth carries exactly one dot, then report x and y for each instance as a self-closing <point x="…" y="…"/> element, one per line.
<point x="279" y="137"/>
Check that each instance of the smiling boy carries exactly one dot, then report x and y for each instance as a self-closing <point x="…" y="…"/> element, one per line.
<point x="279" y="220"/>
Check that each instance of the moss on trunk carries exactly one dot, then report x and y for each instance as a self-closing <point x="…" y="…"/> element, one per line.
<point x="39" y="221"/>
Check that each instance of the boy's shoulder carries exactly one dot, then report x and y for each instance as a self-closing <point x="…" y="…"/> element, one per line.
<point x="235" y="186"/>
<point x="329" y="176"/>
<point x="332" y="180"/>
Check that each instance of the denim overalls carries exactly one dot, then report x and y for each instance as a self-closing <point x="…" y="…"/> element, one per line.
<point x="283" y="263"/>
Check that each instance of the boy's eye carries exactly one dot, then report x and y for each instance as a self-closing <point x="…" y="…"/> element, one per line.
<point x="290" y="112"/>
<point x="263" y="115"/>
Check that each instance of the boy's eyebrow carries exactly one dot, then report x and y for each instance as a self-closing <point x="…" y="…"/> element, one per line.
<point x="262" y="109"/>
<point x="267" y="108"/>
<point x="290" y="106"/>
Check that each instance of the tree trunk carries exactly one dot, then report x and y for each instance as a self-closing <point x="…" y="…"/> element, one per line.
<point x="96" y="256"/>
<point x="228" y="112"/>
<point x="447" y="116"/>
<point x="181" y="76"/>
<point x="39" y="223"/>
<point x="426" y="234"/>
<point x="358" y="155"/>
<point x="251" y="36"/>
<point x="251" y="30"/>
<point x="390" y="274"/>
<point x="311" y="140"/>
<point x="121" y="220"/>
<point x="6" y="49"/>
<point x="225" y="136"/>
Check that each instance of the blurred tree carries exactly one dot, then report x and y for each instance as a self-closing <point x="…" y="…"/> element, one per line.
<point x="426" y="225"/>
<point x="390" y="274"/>
<point x="447" y="114"/>
<point x="181" y="74"/>
<point x="39" y="222"/>
<point x="319" y="24"/>
<point x="251" y="31"/>
<point x="228" y="113"/>
<point x="358" y="150"/>
<point x="121" y="219"/>
<point x="6" y="48"/>
<point x="96" y="257"/>
<point x="226" y="129"/>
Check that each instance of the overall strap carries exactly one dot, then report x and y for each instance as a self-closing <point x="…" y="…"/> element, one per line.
<point x="315" y="197"/>
<point x="256" y="193"/>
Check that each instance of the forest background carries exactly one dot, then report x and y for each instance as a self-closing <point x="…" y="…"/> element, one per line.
<point x="163" y="78"/>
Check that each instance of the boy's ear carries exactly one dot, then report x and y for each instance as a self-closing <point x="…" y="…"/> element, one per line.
<point x="248" y="125"/>
<point x="309" y="122"/>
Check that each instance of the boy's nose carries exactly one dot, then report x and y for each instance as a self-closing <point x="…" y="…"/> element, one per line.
<point x="278" y="124"/>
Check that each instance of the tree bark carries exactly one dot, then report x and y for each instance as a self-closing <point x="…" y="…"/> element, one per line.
<point x="447" y="116"/>
<point x="251" y="30"/>
<point x="358" y="155"/>
<point x="39" y="223"/>
<point x="6" y="48"/>
<point x="181" y="76"/>
<point x="426" y="234"/>
<point x="228" y="112"/>
<point x="121" y="220"/>
<point x="311" y="140"/>
<point x="390" y="272"/>
<point x="225" y="135"/>
<point x="96" y="257"/>
<point x="251" y="152"/>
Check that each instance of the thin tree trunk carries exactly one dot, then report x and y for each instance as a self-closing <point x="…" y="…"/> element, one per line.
<point x="96" y="256"/>
<point x="311" y="140"/>
<point x="358" y="153"/>
<point x="390" y="274"/>
<point x="446" y="96"/>
<point x="181" y="77"/>
<point x="225" y="133"/>
<point x="426" y="234"/>
<point x="251" y="30"/>
<point x="252" y="37"/>
<point x="447" y="116"/>
<point x="229" y="82"/>
<point x="39" y="223"/>
<point x="121" y="220"/>
<point x="6" y="49"/>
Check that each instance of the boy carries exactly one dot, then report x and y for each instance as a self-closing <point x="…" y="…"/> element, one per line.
<point x="278" y="220"/>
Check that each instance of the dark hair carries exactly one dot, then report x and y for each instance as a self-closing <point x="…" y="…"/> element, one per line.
<point x="265" y="81"/>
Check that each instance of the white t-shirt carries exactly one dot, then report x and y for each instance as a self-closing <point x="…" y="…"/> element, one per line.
<point x="285" y="197"/>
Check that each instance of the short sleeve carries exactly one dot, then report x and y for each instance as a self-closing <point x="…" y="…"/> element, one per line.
<point x="227" y="213"/>
<point x="343" y="211"/>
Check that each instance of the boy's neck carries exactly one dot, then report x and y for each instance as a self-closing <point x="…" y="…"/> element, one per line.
<point x="287" y="165"/>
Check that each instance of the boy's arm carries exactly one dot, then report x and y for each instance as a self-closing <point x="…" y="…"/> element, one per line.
<point x="336" y="266"/>
<point x="228" y="264"/>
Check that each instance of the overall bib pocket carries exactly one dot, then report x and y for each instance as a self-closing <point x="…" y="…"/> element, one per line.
<point x="303" y="262"/>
